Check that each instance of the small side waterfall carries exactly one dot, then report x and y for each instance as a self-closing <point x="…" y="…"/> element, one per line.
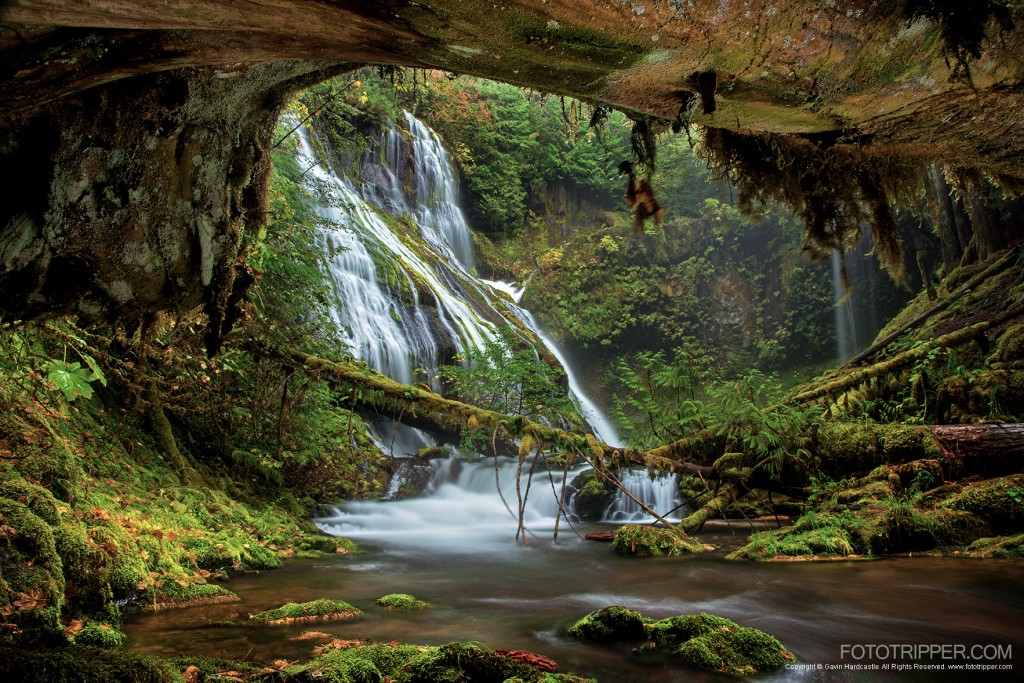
<point x="856" y="315"/>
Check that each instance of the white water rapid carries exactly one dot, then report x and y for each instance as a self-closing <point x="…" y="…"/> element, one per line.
<point x="405" y="309"/>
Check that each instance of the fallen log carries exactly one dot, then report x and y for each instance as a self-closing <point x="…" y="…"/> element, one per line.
<point x="978" y="278"/>
<point x="951" y="340"/>
<point x="851" y="449"/>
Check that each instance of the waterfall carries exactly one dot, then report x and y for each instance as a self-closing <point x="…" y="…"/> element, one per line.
<point x="660" y="494"/>
<point x="856" y="314"/>
<point x="398" y="310"/>
<point x="459" y="512"/>
<point x="403" y="308"/>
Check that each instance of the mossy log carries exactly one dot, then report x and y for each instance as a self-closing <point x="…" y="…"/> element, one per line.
<point x="978" y="278"/>
<point x="850" y="380"/>
<point x="716" y="507"/>
<point x="988" y="449"/>
<point x="844" y="449"/>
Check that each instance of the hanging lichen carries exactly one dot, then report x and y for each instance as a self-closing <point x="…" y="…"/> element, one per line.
<point x="837" y="189"/>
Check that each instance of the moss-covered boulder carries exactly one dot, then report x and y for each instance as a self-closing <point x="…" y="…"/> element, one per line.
<point x="610" y="624"/>
<point x="323" y="609"/>
<point x="450" y="663"/>
<point x="80" y="664"/>
<point x="171" y="595"/>
<point x="999" y="501"/>
<point x="711" y="642"/>
<point x="401" y="601"/>
<point x="102" y="636"/>
<point x="647" y="541"/>
<point x="593" y="496"/>
<point x="1000" y="547"/>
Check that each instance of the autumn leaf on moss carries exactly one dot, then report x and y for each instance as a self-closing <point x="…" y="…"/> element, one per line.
<point x="30" y="599"/>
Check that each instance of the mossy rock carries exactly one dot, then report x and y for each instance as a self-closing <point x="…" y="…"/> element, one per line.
<point x="81" y="664"/>
<point x="323" y="609"/>
<point x="999" y="547"/>
<point x="734" y="649"/>
<point x="999" y="501"/>
<point x="459" y="662"/>
<point x="593" y="497"/>
<point x="314" y="543"/>
<point x="172" y="595"/>
<point x="368" y="663"/>
<point x="647" y="541"/>
<point x="401" y="601"/>
<point x="955" y="528"/>
<point x="814" y="535"/>
<point x="711" y="642"/>
<point x="610" y="624"/>
<point x="103" y="636"/>
<point x="674" y="631"/>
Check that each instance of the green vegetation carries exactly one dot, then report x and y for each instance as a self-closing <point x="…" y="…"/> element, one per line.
<point x="610" y="624"/>
<point x="508" y="377"/>
<point x="401" y="601"/>
<point x="710" y="642"/>
<point x="701" y="640"/>
<point x="648" y="541"/>
<point x="323" y="609"/>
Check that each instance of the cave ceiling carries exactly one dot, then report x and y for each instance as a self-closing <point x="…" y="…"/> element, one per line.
<point x="137" y="130"/>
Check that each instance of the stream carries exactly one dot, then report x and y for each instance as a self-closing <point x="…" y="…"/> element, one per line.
<point x="525" y="597"/>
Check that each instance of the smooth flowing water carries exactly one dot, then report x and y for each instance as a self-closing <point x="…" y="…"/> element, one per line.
<point x="505" y="595"/>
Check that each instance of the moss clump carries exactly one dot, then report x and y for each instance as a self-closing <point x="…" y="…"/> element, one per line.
<point x="593" y="497"/>
<point x="80" y="664"/>
<point x="648" y="541"/>
<point x="453" y="662"/>
<point x="170" y="595"/>
<point x="610" y="624"/>
<point x="1000" y="547"/>
<point x="735" y="650"/>
<point x="712" y="642"/>
<point x="323" y="609"/>
<point x="999" y="501"/>
<point x="457" y="662"/>
<point x="103" y="636"/>
<point x="401" y="601"/>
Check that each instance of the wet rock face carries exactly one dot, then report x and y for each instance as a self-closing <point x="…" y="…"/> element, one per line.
<point x="133" y="197"/>
<point x="137" y="132"/>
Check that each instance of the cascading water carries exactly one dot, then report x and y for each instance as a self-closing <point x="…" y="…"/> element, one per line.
<point x="660" y="494"/>
<point x="856" y="315"/>
<point x="401" y="307"/>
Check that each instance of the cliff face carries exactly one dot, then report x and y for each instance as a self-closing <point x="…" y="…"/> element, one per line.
<point x="137" y="132"/>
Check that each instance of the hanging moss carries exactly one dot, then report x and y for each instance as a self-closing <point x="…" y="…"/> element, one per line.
<point x="834" y="188"/>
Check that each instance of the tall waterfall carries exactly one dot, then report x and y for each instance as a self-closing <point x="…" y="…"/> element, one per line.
<point x="405" y="308"/>
<point x="399" y="311"/>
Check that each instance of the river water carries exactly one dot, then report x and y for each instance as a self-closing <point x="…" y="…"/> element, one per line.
<point x="505" y="595"/>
